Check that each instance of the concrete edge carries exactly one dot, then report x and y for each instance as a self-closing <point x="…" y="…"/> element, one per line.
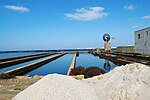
<point x="32" y="66"/>
<point x="72" y="64"/>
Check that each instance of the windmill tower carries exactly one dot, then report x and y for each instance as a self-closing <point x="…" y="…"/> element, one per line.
<point x="107" y="46"/>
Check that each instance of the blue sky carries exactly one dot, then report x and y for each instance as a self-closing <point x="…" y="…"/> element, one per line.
<point x="51" y="24"/>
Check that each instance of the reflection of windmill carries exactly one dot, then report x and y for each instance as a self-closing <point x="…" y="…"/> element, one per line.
<point x="107" y="65"/>
<point x="106" y="38"/>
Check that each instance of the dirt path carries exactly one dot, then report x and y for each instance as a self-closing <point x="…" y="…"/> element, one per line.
<point x="10" y="87"/>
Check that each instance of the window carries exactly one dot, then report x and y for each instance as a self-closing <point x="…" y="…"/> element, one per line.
<point x="138" y="36"/>
<point x="147" y="33"/>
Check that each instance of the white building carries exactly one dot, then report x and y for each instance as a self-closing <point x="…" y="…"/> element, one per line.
<point x="142" y="41"/>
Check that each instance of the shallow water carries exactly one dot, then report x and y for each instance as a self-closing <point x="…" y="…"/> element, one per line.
<point x="9" y="55"/>
<point x="60" y="66"/>
<point x="23" y="64"/>
<point x="88" y="60"/>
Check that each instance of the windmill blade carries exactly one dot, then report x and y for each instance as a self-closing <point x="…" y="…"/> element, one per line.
<point x="114" y="38"/>
<point x="106" y="37"/>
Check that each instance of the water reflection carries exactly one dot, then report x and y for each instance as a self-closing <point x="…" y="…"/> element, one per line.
<point x="9" y="55"/>
<point x="107" y="65"/>
<point x="88" y="60"/>
<point x="60" y="66"/>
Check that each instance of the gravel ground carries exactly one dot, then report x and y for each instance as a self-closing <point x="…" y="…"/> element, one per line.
<point x="10" y="87"/>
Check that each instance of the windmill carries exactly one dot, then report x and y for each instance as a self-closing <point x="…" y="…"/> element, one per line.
<point x="107" y="46"/>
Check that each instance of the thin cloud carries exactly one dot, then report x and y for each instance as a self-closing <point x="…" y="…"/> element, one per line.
<point x="132" y="19"/>
<point x="17" y="8"/>
<point x="129" y="7"/>
<point x="91" y="13"/>
<point x="146" y="17"/>
<point x="135" y="26"/>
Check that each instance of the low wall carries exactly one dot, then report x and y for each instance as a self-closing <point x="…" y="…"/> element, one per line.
<point x="25" y="69"/>
<point x="18" y="61"/>
<point x="72" y="64"/>
<point x="19" y="57"/>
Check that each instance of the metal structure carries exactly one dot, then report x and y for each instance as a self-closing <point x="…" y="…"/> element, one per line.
<point x="106" y="38"/>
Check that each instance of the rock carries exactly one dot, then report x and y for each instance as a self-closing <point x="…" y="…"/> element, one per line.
<point x="21" y="77"/>
<point x="87" y="72"/>
<point x="28" y="75"/>
<point x="78" y="77"/>
<point x="100" y="77"/>
<point x="37" y="76"/>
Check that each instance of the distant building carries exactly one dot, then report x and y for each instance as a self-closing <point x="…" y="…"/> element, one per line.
<point x="142" y="41"/>
<point x="126" y="49"/>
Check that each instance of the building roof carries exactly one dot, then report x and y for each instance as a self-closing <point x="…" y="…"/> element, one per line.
<point x="143" y="29"/>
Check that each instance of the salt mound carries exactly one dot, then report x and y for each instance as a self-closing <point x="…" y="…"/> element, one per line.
<point x="57" y="87"/>
<point x="129" y="82"/>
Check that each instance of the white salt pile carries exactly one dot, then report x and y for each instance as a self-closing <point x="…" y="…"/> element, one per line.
<point x="129" y="82"/>
<point x="57" y="87"/>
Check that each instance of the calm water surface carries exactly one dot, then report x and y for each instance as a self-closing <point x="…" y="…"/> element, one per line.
<point x="60" y="66"/>
<point x="23" y="64"/>
<point x="88" y="60"/>
<point x="8" y="55"/>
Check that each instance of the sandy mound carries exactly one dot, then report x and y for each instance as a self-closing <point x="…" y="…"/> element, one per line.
<point x="57" y="87"/>
<point x="129" y="82"/>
